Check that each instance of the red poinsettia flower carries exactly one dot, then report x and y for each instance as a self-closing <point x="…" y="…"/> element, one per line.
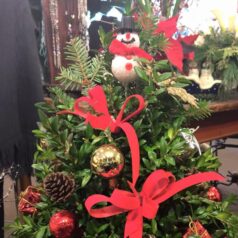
<point x="188" y="40"/>
<point x="174" y="49"/>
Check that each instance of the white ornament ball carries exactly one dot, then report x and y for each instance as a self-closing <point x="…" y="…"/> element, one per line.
<point x="123" y="69"/>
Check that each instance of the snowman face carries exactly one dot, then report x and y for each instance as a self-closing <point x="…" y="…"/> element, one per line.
<point x="131" y="39"/>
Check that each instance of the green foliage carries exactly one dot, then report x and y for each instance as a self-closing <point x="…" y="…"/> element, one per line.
<point x="70" y="142"/>
<point x="213" y="214"/>
<point x="220" y="53"/>
<point x="202" y="113"/>
<point x="82" y="72"/>
<point x="28" y="228"/>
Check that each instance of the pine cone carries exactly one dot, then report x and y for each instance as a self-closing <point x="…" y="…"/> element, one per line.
<point x="59" y="186"/>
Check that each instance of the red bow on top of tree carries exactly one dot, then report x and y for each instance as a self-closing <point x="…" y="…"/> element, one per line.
<point x="174" y="49"/>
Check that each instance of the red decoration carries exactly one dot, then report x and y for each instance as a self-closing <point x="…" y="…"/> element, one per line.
<point x="62" y="224"/>
<point x="129" y="66"/>
<point x="103" y="120"/>
<point x="118" y="48"/>
<point x="214" y="194"/>
<point x="174" y="50"/>
<point x="174" y="53"/>
<point x="158" y="187"/>
<point x="168" y="27"/>
<point x="189" y="40"/>
<point x="135" y="17"/>
<point x="196" y="228"/>
<point x="28" y="200"/>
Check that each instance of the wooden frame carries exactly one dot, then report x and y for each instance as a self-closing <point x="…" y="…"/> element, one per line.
<point x="63" y="20"/>
<point x="66" y="12"/>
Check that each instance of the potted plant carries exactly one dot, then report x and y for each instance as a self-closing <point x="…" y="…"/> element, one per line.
<point x="219" y="54"/>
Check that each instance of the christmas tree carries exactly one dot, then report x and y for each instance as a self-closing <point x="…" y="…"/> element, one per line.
<point x="116" y="158"/>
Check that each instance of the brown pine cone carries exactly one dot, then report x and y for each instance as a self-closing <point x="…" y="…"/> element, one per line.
<point x="59" y="186"/>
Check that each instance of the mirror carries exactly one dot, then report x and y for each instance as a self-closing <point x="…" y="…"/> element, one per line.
<point x="70" y="18"/>
<point x="66" y="19"/>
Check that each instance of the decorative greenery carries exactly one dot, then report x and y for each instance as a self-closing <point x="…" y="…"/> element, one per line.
<point x="220" y="53"/>
<point x="82" y="72"/>
<point x="71" y="142"/>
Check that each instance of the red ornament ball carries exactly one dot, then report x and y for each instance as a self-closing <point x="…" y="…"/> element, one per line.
<point x="62" y="224"/>
<point x="214" y="194"/>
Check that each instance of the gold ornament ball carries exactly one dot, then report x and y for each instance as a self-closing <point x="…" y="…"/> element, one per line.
<point x="107" y="161"/>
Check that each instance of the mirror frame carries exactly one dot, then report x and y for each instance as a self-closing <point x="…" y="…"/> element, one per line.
<point x="63" y="20"/>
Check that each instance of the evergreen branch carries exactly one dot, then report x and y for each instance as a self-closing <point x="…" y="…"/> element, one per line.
<point x="76" y="73"/>
<point x="82" y="72"/>
<point x="69" y="79"/>
<point x="77" y="53"/>
<point x="97" y="69"/>
<point x="199" y="113"/>
<point x="229" y="52"/>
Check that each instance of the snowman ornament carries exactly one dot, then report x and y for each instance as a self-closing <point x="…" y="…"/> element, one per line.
<point x="125" y="48"/>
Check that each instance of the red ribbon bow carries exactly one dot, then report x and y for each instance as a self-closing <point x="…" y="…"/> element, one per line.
<point x="103" y="120"/>
<point x="158" y="187"/>
<point x="118" y="48"/>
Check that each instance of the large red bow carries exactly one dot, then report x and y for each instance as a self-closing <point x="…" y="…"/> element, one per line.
<point x="158" y="187"/>
<point x="118" y="48"/>
<point x="103" y="120"/>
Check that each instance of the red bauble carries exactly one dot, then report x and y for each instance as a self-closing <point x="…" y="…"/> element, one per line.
<point x="214" y="194"/>
<point x="62" y="224"/>
<point x="196" y="228"/>
<point x="28" y="200"/>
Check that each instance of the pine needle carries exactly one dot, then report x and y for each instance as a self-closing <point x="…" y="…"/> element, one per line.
<point x="81" y="72"/>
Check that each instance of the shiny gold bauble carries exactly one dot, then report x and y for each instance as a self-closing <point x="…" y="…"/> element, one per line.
<point x="107" y="161"/>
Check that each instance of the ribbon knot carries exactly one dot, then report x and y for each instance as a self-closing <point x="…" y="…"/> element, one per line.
<point x="101" y="119"/>
<point x="158" y="187"/>
<point x="150" y="208"/>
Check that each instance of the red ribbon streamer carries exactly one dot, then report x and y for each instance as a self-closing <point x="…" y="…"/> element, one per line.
<point x="103" y="120"/>
<point x="118" y="48"/>
<point x="158" y="187"/>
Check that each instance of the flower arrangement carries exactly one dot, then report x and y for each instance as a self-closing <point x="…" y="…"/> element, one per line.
<point x="219" y="53"/>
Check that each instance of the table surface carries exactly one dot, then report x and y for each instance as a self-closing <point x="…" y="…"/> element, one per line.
<point x="229" y="105"/>
<point x="222" y="123"/>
